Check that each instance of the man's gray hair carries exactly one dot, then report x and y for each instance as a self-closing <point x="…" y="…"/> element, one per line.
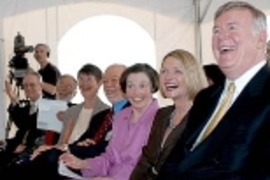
<point x="258" y="16"/>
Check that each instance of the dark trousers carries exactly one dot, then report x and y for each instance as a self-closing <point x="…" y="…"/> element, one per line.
<point x="45" y="166"/>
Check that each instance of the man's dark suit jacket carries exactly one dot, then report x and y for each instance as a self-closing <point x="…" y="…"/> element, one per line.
<point x="26" y="125"/>
<point x="19" y="115"/>
<point x="238" y="148"/>
<point x="26" y="133"/>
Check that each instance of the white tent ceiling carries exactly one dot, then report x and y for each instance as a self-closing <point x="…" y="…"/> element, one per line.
<point x="170" y="23"/>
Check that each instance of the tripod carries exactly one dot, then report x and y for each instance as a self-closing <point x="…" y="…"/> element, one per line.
<point x="9" y="120"/>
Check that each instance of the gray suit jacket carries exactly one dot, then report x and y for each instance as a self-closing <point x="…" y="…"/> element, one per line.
<point x="72" y="114"/>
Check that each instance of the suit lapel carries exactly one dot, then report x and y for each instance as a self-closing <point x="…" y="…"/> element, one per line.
<point x="211" y="102"/>
<point x="166" y="116"/>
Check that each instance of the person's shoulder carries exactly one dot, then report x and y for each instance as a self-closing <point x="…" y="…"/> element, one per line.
<point x="166" y="109"/>
<point x="101" y="114"/>
<point x="21" y="104"/>
<point x="127" y="104"/>
<point x="163" y="113"/>
<point x="124" y="113"/>
<point x="75" y="107"/>
<point x="70" y="104"/>
<point x="100" y="105"/>
<point x="211" y="89"/>
<point x="125" y="110"/>
<point x="52" y="67"/>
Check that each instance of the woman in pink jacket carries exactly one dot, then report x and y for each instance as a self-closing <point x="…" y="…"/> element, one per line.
<point x="131" y="129"/>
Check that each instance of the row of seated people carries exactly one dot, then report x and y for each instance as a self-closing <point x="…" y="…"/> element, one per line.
<point x="133" y="87"/>
<point x="76" y="118"/>
<point x="189" y="139"/>
<point x="23" y="113"/>
<point x="28" y="136"/>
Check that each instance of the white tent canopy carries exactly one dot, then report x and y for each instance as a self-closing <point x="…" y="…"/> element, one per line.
<point x="171" y="24"/>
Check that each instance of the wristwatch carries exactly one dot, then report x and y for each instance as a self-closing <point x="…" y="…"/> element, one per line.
<point x="65" y="147"/>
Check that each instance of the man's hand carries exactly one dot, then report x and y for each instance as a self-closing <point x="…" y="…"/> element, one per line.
<point x="20" y="148"/>
<point x="86" y="142"/>
<point x="11" y="93"/>
<point x="61" y="115"/>
<point x="49" y="88"/>
<point x="39" y="150"/>
<point x="63" y="147"/>
<point x="73" y="162"/>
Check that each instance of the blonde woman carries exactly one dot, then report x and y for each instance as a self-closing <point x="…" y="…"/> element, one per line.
<point x="181" y="78"/>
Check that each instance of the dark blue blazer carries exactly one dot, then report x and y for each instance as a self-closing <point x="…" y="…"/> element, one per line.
<point x="238" y="148"/>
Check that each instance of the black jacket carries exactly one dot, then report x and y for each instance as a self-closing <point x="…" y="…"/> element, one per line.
<point x="237" y="149"/>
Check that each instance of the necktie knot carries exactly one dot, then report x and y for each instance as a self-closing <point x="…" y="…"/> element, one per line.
<point x="231" y="88"/>
<point x="33" y="108"/>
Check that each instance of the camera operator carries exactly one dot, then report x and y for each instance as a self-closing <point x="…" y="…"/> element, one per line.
<point x="49" y="73"/>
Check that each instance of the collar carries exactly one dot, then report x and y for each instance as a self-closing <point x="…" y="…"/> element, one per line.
<point x="35" y="103"/>
<point x="242" y="81"/>
<point x="118" y="106"/>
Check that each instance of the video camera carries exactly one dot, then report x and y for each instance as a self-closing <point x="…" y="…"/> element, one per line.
<point x="18" y="63"/>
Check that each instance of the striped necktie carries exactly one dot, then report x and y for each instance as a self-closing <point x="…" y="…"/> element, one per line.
<point x="33" y="108"/>
<point x="104" y="126"/>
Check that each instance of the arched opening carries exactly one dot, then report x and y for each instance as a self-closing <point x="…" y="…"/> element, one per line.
<point x="104" y="40"/>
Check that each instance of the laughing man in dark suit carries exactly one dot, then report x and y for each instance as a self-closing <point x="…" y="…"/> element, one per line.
<point x="238" y="147"/>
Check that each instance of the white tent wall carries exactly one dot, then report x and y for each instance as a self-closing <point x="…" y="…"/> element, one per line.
<point x="2" y="94"/>
<point x="170" y="25"/>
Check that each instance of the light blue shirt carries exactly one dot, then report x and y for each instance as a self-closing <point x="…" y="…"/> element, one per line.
<point x="117" y="107"/>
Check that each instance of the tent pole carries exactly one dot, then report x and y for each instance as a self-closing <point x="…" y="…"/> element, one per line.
<point x="197" y="29"/>
<point x="205" y="10"/>
<point x="3" y="99"/>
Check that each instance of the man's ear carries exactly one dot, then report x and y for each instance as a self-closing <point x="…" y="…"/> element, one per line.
<point x="268" y="50"/>
<point x="262" y="38"/>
